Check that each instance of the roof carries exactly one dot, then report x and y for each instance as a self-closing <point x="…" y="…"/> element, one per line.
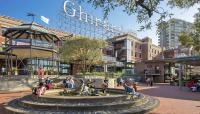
<point x="30" y="31"/>
<point x="8" y="22"/>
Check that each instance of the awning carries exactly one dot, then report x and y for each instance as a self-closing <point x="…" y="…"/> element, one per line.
<point x="25" y="53"/>
<point x="30" y="31"/>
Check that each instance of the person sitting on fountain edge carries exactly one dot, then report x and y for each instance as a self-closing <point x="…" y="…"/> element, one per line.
<point x="105" y="85"/>
<point x="66" y="82"/>
<point x="48" y="83"/>
<point x="40" y="90"/>
<point x="129" y="90"/>
<point x="91" y="86"/>
<point x="71" y="83"/>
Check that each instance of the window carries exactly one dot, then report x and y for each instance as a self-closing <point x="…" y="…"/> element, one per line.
<point x="140" y="55"/>
<point x="135" y="54"/>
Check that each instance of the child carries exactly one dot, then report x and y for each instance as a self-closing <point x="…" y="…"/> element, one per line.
<point x="41" y="89"/>
<point x="135" y="87"/>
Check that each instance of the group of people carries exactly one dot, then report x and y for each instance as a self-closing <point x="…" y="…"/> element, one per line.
<point x="88" y="87"/>
<point x="193" y="85"/>
<point x="83" y="87"/>
<point x="69" y="83"/>
<point x="130" y="87"/>
<point x="42" y="87"/>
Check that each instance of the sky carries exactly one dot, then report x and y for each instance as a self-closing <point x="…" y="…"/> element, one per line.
<point x="49" y="8"/>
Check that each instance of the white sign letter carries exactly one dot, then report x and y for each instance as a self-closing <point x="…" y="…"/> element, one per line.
<point x="65" y="9"/>
<point x="83" y="13"/>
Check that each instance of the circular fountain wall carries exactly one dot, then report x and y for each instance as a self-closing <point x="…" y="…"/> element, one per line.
<point x="116" y="102"/>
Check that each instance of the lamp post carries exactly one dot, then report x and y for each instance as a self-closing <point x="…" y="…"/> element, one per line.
<point x="31" y="15"/>
<point x="179" y="76"/>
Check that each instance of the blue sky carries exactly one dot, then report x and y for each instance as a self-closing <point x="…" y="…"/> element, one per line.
<point x="50" y="8"/>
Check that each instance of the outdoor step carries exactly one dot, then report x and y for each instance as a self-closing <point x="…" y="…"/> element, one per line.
<point x="144" y="108"/>
<point x="140" y="109"/>
<point x="56" y="106"/>
<point x="84" y="100"/>
<point x="83" y="106"/>
<point x="81" y="99"/>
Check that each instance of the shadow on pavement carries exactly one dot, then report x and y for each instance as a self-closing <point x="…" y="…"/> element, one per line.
<point x="174" y="92"/>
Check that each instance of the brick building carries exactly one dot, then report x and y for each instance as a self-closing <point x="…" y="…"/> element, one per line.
<point x="128" y="48"/>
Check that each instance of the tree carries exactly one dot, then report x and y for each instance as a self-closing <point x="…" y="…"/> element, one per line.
<point x="192" y="39"/>
<point x="82" y="50"/>
<point x="143" y="9"/>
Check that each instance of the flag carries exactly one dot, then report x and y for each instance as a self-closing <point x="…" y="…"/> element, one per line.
<point x="44" y="19"/>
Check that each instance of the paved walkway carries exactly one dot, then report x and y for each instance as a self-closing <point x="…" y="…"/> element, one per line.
<point x="173" y="100"/>
<point x="5" y="97"/>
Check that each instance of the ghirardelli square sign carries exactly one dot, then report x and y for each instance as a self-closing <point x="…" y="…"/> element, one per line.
<point x="71" y="10"/>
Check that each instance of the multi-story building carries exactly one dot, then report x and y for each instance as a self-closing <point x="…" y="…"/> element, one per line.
<point x="169" y="32"/>
<point x="128" y="48"/>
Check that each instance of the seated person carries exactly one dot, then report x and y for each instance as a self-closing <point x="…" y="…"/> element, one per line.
<point x="135" y="87"/>
<point x="40" y="90"/>
<point x="66" y="82"/>
<point x="84" y="88"/>
<point x="105" y="85"/>
<point x="190" y="84"/>
<point x="90" y="83"/>
<point x="71" y="83"/>
<point x="128" y="88"/>
<point x="91" y="86"/>
<point x="48" y="83"/>
<point x="194" y="88"/>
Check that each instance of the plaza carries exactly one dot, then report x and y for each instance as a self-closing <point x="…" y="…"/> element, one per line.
<point x="90" y="57"/>
<point x="172" y="99"/>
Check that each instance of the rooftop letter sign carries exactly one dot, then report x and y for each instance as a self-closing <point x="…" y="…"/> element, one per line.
<point x="72" y="11"/>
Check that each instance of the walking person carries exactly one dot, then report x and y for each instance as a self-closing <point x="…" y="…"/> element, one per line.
<point x="119" y="81"/>
<point x="151" y="81"/>
<point x="148" y="81"/>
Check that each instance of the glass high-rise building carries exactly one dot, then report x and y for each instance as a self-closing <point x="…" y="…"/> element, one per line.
<point x="169" y="32"/>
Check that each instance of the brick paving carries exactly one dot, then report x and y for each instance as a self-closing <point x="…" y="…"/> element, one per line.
<point x="6" y="97"/>
<point x="172" y="99"/>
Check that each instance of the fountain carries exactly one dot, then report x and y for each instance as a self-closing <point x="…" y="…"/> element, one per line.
<point x="57" y="101"/>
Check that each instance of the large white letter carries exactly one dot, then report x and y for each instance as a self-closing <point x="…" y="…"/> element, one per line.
<point x="106" y="25"/>
<point x="65" y="8"/>
<point x="97" y="21"/>
<point x="83" y="13"/>
<point x="91" y="19"/>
